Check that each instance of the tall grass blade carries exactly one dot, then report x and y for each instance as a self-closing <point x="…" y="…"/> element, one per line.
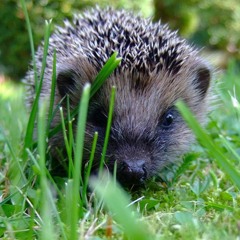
<point x="89" y="167"/>
<point x="30" y="35"/>
<point x="70" y="138"/>
<point x="65" y="138"/>
<point x="47" y="221"/>
<point x="213" y="149"/>
<point x="117" y="201"/>
<point x="230" y="148"/>
<point x="53" y="87"/>
<point x="30" y="127"/>
<point x="77" y="171"/>
<point x="105" y="72"/>
<point x="108" y="128"/>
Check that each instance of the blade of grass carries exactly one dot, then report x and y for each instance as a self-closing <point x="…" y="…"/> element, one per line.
<point x="30" y="126"/>
<point x="77" y="179"/>
<point x="47" y="225"/>
<point x="205" y="140"/>
<point x="104" y="73"/>
<point x="68" y="208"/>
<point x="89" y="167"/>
<point x="65" y="138"/>
<point x="108" y="128"/>
<point x="48" y="208"/>
<point x="53" y="87"/>
<point x="117" y="201"/>
<point x="230" y="148"/>
<point x="70" y="138"/>
<point x="30" y="35"/>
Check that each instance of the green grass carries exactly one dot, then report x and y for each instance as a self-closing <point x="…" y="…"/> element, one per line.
<point x="198" y="199"/>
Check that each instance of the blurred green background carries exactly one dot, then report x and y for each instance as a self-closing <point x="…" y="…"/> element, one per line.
<point x="214" y="24"/>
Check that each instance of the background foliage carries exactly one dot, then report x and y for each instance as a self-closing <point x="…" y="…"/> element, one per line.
<point x="14" y="41"/>
<point x="215" y="23"/>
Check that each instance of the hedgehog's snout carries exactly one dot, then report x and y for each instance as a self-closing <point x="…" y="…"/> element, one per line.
<point x="132" y="172"/>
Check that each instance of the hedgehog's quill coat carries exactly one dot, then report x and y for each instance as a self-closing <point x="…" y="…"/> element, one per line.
<point x="156" y="70"/>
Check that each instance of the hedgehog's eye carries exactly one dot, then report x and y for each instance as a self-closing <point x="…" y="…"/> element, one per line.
<point x="168" y="118"/>
<point x="65" y="82"/>
<point x="98" y="118"/>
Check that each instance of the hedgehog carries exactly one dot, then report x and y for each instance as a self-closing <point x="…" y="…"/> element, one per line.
<point x="157" y="69"/>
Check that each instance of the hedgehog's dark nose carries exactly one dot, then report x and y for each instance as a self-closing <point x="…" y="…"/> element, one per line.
<point x="132" y="172"/>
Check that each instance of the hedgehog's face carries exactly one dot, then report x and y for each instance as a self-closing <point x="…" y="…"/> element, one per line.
<point x="147" y="131"/>
<point x="139" y="151"/>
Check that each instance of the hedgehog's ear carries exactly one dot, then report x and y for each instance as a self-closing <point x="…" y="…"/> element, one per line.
<point x="202" y="79"/>
<point x="66" y="82"/>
